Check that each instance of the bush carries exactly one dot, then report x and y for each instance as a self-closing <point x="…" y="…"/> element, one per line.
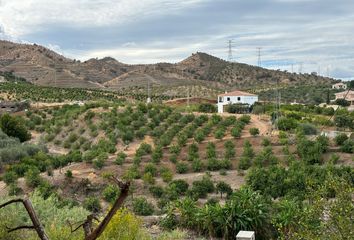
<point x="181" y="167"/>
<point x="308" y="129"/>
<point x="150" y="168"/>
<point x="92" y="204"/>
<point x="148" y="178"/>
<point x="110" y="193"/>
<point x="223" y="187"/>
<point x="207" y="108"/>
<point x="340" y="139"/>
<point x="69" y="174"/>
<point x="120" y="158"/>
<point x="254" y="131"/>
<point x="199" y="135"/>
<point x="179" y="185"/>
<point x="266" y="142"/>
<point x="142" y="207"/>
<point x="14" y="127"/>
<point x="246" y="119"/>
<point x="236" y="132"/>
<point x="166" y="175"/>
<point x="348" y="146"/>
<point x="32" y="177"/>
<point x="156" y="191"/>
<point x="201" y="188"/>
<point x="286" y="124"/>
<point x="197" y="165"/>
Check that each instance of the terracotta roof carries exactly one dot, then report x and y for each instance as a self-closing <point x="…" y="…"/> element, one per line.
<point x="236" y="93"/>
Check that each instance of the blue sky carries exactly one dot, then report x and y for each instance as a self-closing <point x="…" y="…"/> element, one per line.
<point x="317" y="34"/>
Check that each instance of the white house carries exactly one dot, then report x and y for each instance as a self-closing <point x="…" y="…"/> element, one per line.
<point x="235" y="97"/>
<point x="339" y="86"/>
<point x="2" y="79"/>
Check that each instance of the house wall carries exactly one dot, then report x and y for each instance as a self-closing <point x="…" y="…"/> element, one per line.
<point x="235" y="99"/>
<point x="339" y="86"/>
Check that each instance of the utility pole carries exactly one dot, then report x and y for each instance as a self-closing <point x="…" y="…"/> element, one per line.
<point x="259" y="56"/>
<point x="148" y="100"/>
<point x="292" y="68"/>
<point x="300" y="67"/>
<point x="230" y="45"/>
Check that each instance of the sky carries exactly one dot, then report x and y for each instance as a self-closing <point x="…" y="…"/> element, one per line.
<point x="294" y="35"/>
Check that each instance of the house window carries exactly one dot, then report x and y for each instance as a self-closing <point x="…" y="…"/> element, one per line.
<point x="220" y="99"/>
<point x="238" y="98"/>
<point x="228" y="98"/>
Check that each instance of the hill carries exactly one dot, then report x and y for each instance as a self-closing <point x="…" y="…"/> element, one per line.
<point x="207" y="73"/>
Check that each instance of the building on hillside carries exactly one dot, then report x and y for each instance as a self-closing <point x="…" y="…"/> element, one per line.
<point x="347" y="95"/>
<point x="12" y="107"/>
<point x="235" y="97"/>
<point x="339" y="86"/>
<point x="2" y="79"/>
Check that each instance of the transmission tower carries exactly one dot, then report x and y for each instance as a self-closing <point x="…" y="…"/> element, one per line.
<point x="300" y="67"/>
<point x="230" y="45"/>
<point x="259" y="56"/>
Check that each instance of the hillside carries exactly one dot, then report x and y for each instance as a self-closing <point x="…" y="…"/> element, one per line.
<point x="42" y="66"/>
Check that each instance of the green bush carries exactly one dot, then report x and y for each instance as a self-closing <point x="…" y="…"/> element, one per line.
<point x="348" y="146"/>
<point x="92" y="204"/>
<point x="181" y="167"/>
<point x="308" y="129"/>
<point x="14" y="127"/>
<point x="110" y="193"/>
<point x="254" y="131"/>
<point x="286" y="124"/>
<point x="207" y="108"/>
<point x="142" y="207"/>
<point x="340" y="139"/>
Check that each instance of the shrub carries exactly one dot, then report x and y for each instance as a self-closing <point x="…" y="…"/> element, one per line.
<point x="340" y="139"/>
<point x="69" y="174"/>
<point x="92" y="204"/>
<point x="193" y="152"/>
<point x="286" y="124"/>
<point x="181" y="167"/>
<point x="219" y="133"/>
<point x="223" y="187"/>
<point x="201" y="188"/>
<point x="179" y="185"/>
<point x="199" y="135"/>
<point x="120" y="158"/>
<point x="150" y="168"/>
<point x="266" y="142"/>
<point x="348" y="146"/>
<point x="110" y="193"/>
<point x="207" y="108"/>
<point x="236" y="132"/>
<point x="148" y="178"/>
<point x="142" y="207"/>
<point x="156" y="191"/>
<point x="211" y="152"/>
<point x="14" y="127"/>
<point x="308" y="129"/>
<point x="197" y="165"/>
<point x="254" y="131"/>
<point x="246" y="119"/>
<point x="32" y="177"/>
<point x="166" y="174"/>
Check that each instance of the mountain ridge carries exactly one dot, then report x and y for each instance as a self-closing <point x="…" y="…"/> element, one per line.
<point x="42" y="66"/>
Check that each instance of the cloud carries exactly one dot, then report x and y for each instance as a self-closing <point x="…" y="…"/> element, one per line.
<point x="20" y="17"/>
<point x="317" y="33"/>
